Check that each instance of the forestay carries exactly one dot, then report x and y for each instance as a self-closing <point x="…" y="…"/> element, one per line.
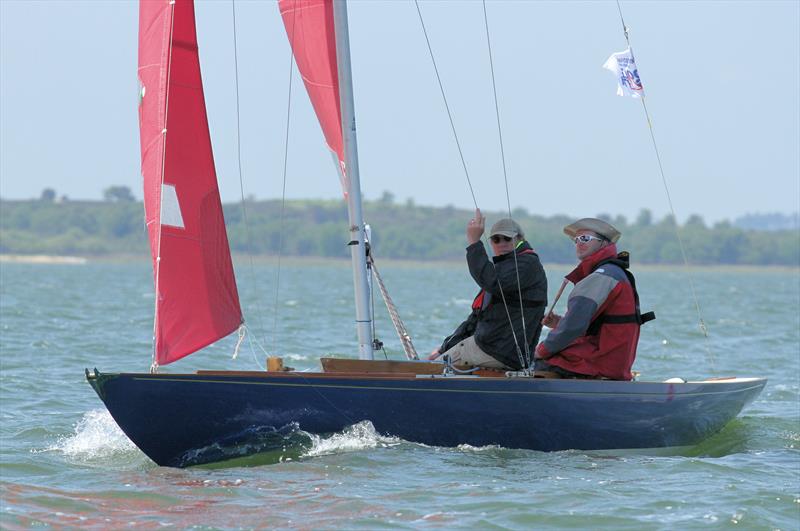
<point x="196" y="297"/>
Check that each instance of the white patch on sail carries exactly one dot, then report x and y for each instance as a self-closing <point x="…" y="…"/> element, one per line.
<point x="170" y="208"/>
<point x="340" y="170"/>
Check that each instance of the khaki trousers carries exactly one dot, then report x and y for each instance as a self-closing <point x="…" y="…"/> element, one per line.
<point x="467" y="352"/>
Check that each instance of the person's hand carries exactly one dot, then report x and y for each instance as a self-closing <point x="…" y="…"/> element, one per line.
<point x="434" y="354"/>
<point x="539" y="353"/>
<point x="551" y="320"/>
<point x="475" y="227"/>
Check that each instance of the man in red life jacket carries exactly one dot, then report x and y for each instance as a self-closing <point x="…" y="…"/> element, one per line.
<point x="505" y="322"/>
<point x="597" y="336"/>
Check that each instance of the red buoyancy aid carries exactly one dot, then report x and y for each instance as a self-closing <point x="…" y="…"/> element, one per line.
<point x="623" y="261"/>
<point x="608" y="347"/>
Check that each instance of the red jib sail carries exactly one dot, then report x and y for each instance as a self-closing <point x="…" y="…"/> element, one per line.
<point x="309" y="26"/>
<point x="196" y="298"/>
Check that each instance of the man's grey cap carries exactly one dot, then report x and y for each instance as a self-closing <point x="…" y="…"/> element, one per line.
<point x="507" y="227"/>
<point x="598" y="226"/>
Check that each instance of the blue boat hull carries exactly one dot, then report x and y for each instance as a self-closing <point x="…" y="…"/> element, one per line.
<point x="186" y="419"/>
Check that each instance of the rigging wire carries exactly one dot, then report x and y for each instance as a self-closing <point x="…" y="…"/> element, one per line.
<point x="522" y="359"/>
<point x="446" y="105"/>
<point x="248" y="236"/>
<point x="527" y="359"/>
<point x="701" y="321"/>
<point x="283" y="183"/>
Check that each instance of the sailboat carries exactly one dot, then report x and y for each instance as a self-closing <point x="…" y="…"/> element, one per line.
<point x="179" y="420"/>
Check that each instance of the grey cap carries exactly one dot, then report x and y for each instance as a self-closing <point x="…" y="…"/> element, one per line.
<point x="507" y="227"/>
<point x="598" y="226"/>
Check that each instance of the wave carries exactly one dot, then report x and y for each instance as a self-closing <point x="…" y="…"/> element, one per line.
<point x="360" y="436"/>
<point x="96" y="436"/>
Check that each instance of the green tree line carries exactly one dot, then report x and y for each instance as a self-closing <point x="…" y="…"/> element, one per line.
<point x="405" y="231"/>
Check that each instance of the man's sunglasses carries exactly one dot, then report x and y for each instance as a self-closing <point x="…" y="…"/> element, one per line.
<point x="586" y="238"/>
<point x="498" y="239"/>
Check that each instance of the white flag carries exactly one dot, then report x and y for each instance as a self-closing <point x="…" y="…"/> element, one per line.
<point x="624" y="67"/>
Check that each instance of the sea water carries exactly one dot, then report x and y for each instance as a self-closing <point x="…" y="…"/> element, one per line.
<point x="64" y="463"/>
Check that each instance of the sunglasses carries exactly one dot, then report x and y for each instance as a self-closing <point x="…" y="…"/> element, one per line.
<point x="586" y="238"/>
<point x="498" y="239"/>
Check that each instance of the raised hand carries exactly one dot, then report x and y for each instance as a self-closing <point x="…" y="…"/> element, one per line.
<point x="475" y="227"/>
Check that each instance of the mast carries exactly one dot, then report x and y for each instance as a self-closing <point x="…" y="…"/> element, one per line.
<point x="358" y="252"/>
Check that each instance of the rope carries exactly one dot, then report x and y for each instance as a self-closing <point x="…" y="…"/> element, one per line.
<point x="251" y="338"/>
<point x="524" y="362"/>
<point x="402" y="333"/>
<point x="701" y="322"/>
<point x="450" y="369"/>
<point x="242" y="331"/>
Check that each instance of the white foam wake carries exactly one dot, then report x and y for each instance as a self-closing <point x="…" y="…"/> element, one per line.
<point x="467" y="448"/>
<point x="96" y="436"/>
<point x="357" y="437"/>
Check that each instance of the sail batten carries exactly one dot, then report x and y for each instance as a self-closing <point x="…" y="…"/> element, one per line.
<point x="197" y="301"/>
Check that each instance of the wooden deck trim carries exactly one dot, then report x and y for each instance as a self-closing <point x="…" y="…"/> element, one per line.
<point x="319" y="375"/>
<point x="339" y="365"/>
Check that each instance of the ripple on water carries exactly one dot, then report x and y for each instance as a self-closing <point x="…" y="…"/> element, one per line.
<point x="67" y="465"/>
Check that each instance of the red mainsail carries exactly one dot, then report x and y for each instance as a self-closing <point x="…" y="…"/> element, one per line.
<point x="196" y="298"/>
<point x="309" y="26"/>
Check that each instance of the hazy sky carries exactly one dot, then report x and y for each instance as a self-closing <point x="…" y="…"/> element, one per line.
<point x="722" y="82"/>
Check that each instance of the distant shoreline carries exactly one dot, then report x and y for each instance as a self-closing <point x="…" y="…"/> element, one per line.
<point x="103" y="230"/>
<point x="393" y="262"/>
<point x="42" y="259"/>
